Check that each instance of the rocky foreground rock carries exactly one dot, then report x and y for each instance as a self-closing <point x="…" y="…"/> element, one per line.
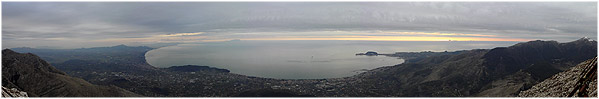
<point x="567" y="83"/>
<point x="13" y="92"/>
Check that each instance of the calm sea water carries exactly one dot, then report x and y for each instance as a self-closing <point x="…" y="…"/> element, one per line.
<point x="299" y="59"/>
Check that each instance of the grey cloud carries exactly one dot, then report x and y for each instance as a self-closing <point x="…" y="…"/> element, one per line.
<point x="141" y="19"/>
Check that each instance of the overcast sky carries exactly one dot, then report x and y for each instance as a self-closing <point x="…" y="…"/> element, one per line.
<point x="88" y="24"/>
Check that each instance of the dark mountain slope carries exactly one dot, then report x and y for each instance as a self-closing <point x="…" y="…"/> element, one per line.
<point x="537" y="56"/>
<point x="564" y="83"/>
<point x="29" y="73"/>
<point x="471" y="72"/>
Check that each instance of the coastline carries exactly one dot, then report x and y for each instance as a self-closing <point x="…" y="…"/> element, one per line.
<point x="162" y="61"/>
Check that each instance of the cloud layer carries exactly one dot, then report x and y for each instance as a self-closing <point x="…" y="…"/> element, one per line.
<point x="100" y="24"/>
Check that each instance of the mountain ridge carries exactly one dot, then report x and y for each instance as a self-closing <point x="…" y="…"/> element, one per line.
<point x="29" y="73"/>
<point x="482" y="70"/>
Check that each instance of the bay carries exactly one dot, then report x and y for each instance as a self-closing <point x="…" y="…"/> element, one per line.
<point x="300" y="59"/>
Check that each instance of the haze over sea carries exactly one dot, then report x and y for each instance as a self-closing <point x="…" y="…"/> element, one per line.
<point x="301" y="59"/>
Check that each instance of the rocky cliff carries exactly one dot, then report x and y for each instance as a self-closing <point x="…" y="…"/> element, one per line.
<point x="13" y="92"/>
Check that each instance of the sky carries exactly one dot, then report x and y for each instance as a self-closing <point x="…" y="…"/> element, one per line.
<point x="93" y="24"/>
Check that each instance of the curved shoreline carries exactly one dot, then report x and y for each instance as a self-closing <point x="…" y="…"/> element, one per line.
<point x="355" y="73"/>
<point x="146" y="55"/>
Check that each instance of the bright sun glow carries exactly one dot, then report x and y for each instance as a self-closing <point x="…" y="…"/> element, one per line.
<point x="322" y="35"/>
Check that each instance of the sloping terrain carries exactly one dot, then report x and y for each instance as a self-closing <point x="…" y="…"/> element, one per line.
<point x="565" y="83"/>
<point x="498" y="72"/>
<point x="29" y="73"/>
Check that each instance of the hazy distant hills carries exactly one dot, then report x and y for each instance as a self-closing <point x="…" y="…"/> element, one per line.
<point x="115" y="58"/>
<point x="501" y="71"/>
<point x="29" y="73"/>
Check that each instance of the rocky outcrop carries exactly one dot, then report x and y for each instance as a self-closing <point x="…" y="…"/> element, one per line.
<point x="566" y="83"/>
<point x="29" y="73"/>
<point x="13" y="92"/>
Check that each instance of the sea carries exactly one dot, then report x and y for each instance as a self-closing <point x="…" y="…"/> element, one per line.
<point x="301" y="59"/>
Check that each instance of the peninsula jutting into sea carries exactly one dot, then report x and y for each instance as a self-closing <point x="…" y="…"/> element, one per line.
<point x="299" y="49"/>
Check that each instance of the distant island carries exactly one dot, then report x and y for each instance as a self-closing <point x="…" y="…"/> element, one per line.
<point x="371" y="53"/>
